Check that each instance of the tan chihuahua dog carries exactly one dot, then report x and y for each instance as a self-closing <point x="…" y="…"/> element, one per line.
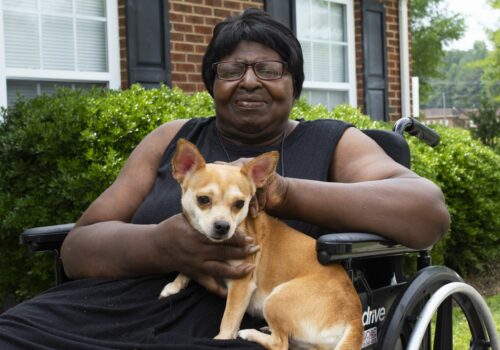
<point x="305" y="303"/>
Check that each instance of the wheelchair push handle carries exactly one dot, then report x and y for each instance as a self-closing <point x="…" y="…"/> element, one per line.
<point x="417" y="129"/>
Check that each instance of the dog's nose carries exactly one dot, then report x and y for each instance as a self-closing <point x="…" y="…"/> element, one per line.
<point x="221" y="227"/>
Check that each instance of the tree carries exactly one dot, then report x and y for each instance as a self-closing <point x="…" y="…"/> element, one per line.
<point x="461" y="79"/>
<point x="491" y="64"/>
<point x="487" y="116"/>
<point x="491" y="76"/>
<point x="487" y="122"/>
<point x="432" y="27"/>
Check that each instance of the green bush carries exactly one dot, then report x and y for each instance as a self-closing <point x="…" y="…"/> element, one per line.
<point x="469" y="175"/>
<point x="59" y="153"/>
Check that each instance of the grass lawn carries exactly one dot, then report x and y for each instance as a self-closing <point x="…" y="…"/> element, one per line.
<point x="461" y="332"/>
<point x="488" y="284"/>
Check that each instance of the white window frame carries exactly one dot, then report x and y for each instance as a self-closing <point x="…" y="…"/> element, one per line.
<point x="112" y="77"/>
<point x="350" y="86"/>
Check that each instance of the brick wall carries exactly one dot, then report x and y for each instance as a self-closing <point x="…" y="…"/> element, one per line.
<point x="393" y="59"/>
<point x="191" y="25"/>
<point x="358" y="39"/>
<point x="123" y="44"/>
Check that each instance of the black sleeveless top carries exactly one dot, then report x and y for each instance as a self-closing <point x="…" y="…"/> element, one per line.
<point x="307" y="154"/>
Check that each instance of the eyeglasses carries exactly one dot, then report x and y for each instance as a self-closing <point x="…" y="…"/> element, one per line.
<point x="265" y="70"/>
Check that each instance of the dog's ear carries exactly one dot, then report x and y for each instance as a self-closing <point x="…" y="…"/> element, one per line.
<point x="260" y="168"/>
<point x="187" y="158"/>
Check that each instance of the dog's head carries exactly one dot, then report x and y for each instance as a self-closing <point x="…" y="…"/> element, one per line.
<point x="216" y="197"/>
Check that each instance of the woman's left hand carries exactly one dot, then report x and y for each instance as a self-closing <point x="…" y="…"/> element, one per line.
<point x="269" y="196"/>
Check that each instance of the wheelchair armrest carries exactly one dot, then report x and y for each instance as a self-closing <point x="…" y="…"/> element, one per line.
<point x="336" y="247"/>
<point x="45" y="237"/>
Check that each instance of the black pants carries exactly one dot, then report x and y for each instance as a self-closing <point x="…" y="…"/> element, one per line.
<point x="119" y="314"/>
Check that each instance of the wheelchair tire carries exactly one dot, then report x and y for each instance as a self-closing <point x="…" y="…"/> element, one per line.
<point x="403" y="316"/>
<point x="459" y="292"/>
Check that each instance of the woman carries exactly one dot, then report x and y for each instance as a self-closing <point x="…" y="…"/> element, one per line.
<point x="331" y="178"/>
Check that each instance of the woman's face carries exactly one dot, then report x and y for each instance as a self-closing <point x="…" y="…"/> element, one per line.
<point x="251" y="110"/>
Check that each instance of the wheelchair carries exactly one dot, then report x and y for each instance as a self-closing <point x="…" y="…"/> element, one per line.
<point x="397" y="311"/>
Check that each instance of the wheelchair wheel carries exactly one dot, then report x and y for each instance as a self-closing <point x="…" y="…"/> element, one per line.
<point x="467" y="297"/>
<point x="403" y="317"/>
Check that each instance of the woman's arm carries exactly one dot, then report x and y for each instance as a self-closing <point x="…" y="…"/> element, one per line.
<point x="105" y="244"/>
<point x="369" y="192"/>
<point x="97" y="246"/>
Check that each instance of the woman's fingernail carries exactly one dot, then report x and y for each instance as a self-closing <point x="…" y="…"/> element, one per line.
<point x="253" y="248"/>
<point x="249" y="268"/>
<point x="249" y="239"/>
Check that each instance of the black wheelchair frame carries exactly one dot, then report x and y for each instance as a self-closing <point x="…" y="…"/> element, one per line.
<point x="396" y="311"/>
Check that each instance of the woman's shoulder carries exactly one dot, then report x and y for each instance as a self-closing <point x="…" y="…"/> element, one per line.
<point x="169" y="130"/>
<point x="171" y="127"/>
<point x="319" y="129"/>
<point x="156" y="145"/>
<point x="329" y="123"/>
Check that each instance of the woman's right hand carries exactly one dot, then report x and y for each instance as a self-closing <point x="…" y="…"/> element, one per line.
<point x="181" y="248"/>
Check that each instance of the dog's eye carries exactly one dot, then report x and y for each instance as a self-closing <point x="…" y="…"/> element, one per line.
<point x="203" y="200"/>
<point x="239" y="204"/>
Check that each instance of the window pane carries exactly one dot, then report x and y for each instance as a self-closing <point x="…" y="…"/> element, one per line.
<point x="49" y="87"/>
<point x="57" y="43"/>
<point x="325" y="48"/>
<point x="303" y="19"/>
<point x="62" y="6"/>
<point x="88" y="86"/>
<point x="337" y="97"/>
<point x="339" y="63"/>
<point x="337" y="22"/>
<point x="30" y="89"/>
<point x="27" y="89"/>
<point x="69" y="35"/>
<point x="91" y="8"/>
<point x="22" y="49"/>
<point x="321" y="62"/>
<point x="20" y="4"/>
<point x="55" y="40"/>
<point x="307" y="52"/>
<point x="91" y="46"/>
<point x="322" y="32"/>
<point x="318" y="97"/>
<point x="319" y="20"/>
<point x="329" y="99"/>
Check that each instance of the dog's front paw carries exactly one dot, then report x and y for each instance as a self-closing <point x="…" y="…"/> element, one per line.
<point x="247" y="334"/>
<point x="168" y="290"/>
<point x="175" y="286"/>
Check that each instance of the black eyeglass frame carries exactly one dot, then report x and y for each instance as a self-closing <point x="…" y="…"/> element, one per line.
<point x="252" y="65"/>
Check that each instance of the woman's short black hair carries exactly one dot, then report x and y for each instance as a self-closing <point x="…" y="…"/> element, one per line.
<point x="258" y="26"/>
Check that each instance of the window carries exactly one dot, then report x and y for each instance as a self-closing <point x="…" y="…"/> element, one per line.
<point x="48" y="43"/>
<point x="325" y="29"/>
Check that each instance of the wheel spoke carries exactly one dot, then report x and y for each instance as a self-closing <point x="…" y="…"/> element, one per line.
<point x="443" y="339"/>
